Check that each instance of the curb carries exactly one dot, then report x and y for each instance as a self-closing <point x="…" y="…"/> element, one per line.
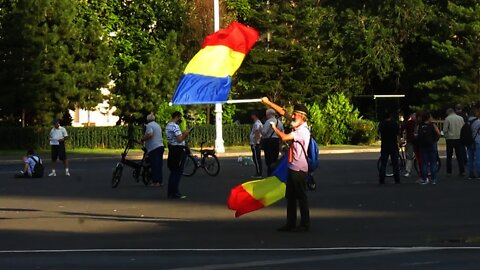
<point x="220" y="155"/>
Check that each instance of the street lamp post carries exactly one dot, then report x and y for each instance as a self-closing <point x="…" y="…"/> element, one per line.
<point x="219" y="143"/>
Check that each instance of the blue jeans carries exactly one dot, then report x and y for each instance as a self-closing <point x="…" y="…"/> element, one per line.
<point x="474" y="160"/>
<point x="429" y="162"/>
<point x="156" y="163"/>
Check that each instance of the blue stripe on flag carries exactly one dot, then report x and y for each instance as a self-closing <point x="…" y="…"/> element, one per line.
<point x="281" y="171"/>
<point x="200" y="89"/>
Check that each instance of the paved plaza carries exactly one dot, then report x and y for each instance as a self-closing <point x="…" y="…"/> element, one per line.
<point x="80" y="222"/>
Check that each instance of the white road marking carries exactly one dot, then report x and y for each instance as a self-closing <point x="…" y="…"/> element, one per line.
<point x="113" y="250"/>
<point x="303" y="259"/>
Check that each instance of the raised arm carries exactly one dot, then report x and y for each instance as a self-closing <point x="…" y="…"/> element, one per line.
<point x="277" y="108"/>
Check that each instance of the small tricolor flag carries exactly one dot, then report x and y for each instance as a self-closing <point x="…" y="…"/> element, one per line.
<point x="207" y="78"/>
<point x="254" y="195"/>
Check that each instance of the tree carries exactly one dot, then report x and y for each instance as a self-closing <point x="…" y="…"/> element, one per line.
<point x="147" y="62"/>
<point x="453" y="74"/>
<point x="52" y="59"/>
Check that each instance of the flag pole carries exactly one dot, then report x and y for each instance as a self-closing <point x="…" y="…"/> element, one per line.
<point x="219" y="143"/>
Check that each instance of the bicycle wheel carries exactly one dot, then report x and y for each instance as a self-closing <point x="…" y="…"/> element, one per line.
<point x="389" y="168"/>
<point x="190" y="166"/>
<point x="146" y="175"/>
<point x="211" y="164"/>
<point x="117" y="175"/>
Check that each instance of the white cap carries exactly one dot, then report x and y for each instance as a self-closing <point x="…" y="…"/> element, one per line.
<point x="270" y="112"/>
<point x="150" y="117"/>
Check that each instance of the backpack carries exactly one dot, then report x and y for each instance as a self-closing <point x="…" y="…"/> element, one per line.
<point x="313" y="161"/>
<point x="466" y="137"/>
<point x="426" y="136"/>
<point x="38" y="168"/>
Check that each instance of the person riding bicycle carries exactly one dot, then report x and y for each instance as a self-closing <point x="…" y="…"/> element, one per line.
<point x="389" y="131"/>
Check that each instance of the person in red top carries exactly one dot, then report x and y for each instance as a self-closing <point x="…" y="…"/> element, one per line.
<point x="408" y="128"/>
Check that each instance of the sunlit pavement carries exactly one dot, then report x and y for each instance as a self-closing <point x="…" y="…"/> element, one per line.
<point x="81" y="222"/>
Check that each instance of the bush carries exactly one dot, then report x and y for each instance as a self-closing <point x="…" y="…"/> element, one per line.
<point x="363" y="131"/>
<point x="111" y="137"/>
<point x="339" y="122"/>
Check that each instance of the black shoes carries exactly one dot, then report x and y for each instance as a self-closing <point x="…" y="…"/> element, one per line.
<point x="177" y="196"/>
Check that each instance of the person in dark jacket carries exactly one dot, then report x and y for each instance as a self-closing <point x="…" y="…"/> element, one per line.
<point x="389" y="131"/>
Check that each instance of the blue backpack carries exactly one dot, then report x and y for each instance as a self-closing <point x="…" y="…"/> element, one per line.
<point x="311" y="155"/>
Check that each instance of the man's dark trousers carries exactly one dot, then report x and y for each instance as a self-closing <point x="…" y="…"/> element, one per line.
<point x="156" y="163"/>
<point x="271" y="148"/>
<point x="297" y="191"/>
<point x="459" y="153"/>
<point x="392" y="152"/>
<point x="257" y="159"/>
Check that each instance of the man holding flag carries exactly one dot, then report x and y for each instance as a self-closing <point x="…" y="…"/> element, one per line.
<point x="296" y="189"/>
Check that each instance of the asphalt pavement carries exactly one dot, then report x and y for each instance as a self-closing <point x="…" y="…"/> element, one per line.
<point x="80" y="222"/>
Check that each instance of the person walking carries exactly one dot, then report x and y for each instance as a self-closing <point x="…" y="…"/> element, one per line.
<point x="57" y="137"/>
<point x="270" y="140"/>
<point x="153" y="142"/>
<point x="451" y="129"/>
<point x="389" y="131"/>
<point x="255" y="138"/>
<point x="474" y="148"/>
<point x="428" y="136"/>
<point x="176" y="154"/>
<point x="296" y="190"/>
<point x="409" y="129"/>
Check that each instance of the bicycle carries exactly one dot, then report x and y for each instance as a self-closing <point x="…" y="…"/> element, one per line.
<point x="402" y="162"/>
<point x="389" y="168"/>
<point x="208" y="161"/>
<point x="140" y="168"/>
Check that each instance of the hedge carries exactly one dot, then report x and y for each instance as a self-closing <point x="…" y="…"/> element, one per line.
<point x="111" y="137"/>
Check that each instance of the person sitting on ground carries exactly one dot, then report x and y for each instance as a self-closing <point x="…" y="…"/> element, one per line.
<point x="33" y="166"/>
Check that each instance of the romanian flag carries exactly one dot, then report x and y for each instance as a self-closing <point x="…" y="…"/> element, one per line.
<point x="253" y="195"/>
<point x="207" y="78"/>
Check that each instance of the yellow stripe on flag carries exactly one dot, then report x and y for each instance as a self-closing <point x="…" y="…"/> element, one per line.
<point x="215" y="61"/>
<point x="267" y="191"/>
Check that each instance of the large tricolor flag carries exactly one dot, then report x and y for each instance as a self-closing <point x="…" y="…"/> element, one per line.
<point x="254" y="195"/>
<point x="207" y="78"/>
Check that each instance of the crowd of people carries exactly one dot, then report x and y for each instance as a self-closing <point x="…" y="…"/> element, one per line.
<point x="421" y="136"/>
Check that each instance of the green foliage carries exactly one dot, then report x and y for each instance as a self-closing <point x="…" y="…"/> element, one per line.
<point x="53" y="56"/>
<point x="147" y="63"/>
<point x="339" y="122"/>
<point x="363" y="132"/>
<point x="229" y="111"/>
<point x="164" y="114"/>
<point x="110" y="137"/>
<point x="455" y="50"/>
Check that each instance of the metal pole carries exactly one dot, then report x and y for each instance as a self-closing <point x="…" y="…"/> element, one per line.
<point x="219" y="143"/>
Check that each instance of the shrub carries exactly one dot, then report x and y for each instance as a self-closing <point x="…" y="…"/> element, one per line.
<point x="363" y="131"/>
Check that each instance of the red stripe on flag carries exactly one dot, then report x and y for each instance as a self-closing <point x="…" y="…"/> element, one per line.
<point x="236" y="36"/>
<point x="242" y="202"/>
